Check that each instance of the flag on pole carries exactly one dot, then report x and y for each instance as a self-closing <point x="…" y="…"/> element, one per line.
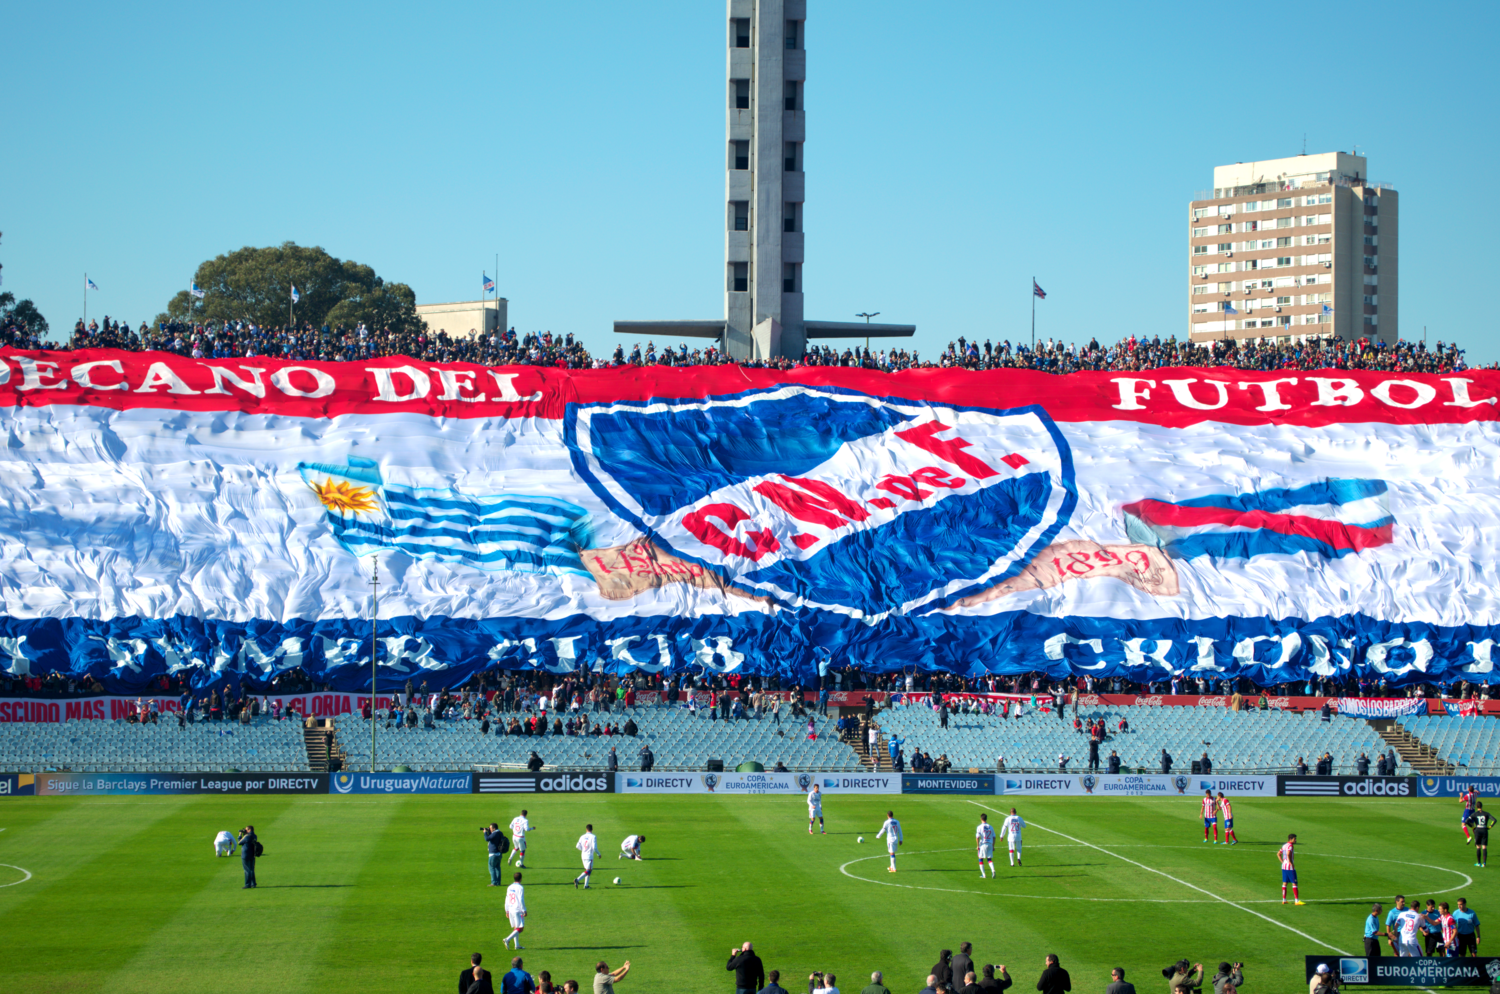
<point x="295" y="295"/>
<point x="1229" y="308"/>
<point x="1327" y="309"/>
<point x="1037" y="290"/>
<point x="196" y="292"/>
<point x="489" y="284"/>
<point x="91" y="284"/>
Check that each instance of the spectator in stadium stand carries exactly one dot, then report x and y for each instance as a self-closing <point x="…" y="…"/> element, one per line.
<point x="1054" y="979"/>
<point x="476" y="979"/>
<point x="1230" y="976"/>
<point x="1166" y="761"/>
<point x="1113" y="764"/>
<point x="534" y="764"/>
<point x="1373" y="930"/>
<point x="1117" y="982"/>
<point x="1205" y="765"/>
<point x="773" y="985"/>
<point x="749" y="972"/>
<point x="612" y="764"/>
<point x="1301" y="767"/>
<point x="1324" y="712"/>
<point x="1362" y="765"/>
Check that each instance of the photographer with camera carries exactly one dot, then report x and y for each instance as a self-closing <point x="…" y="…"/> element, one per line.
<point x="1229" y="975"/>
<point x="1181" y="976"/>
<point x="1324" y="981"/>
<point x="821" y="983"/>
<point x="249" y="849"/>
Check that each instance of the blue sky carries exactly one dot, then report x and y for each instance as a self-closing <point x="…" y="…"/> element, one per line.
<point x="954" y="151"/>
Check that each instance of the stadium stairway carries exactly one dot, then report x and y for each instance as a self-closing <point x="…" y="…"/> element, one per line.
<point x="881" y="761"/>
<point x="1422" y="758"/>
<point x="318" y="738"/>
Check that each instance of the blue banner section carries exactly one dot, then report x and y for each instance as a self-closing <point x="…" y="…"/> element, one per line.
<point x="125" y="654"/>
<point x="1455" y="786"/>
<point x="947" y="783"/>
<point x="401" y="783"/>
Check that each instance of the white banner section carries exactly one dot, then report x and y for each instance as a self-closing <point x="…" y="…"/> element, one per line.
<point x="758" y="783"/>
<point x="1132" y="785"/>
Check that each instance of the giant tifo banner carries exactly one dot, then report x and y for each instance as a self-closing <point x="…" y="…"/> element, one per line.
<point x="222" y="517"/>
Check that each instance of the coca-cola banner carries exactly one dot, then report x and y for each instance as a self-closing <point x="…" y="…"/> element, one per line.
<point x="225" y="519"/>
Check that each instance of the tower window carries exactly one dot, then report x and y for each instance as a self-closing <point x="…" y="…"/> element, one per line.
<point x="792" y="41"/>
<point x="789" y="216"/>
<point x="742" y="32"/>
<point x="739" y="277"/>
<point x="740" y="212"/>
<point x="740" y="152"/>
<point x="791" y="94"/>
<point x="793" y="157"/>
<point x="741" y="89"/>
<point x="791" y="278"/>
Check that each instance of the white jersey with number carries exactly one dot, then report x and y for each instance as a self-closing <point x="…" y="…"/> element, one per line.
<point x="1011" y="827"/>
<point x="515" y="905"/>
<point x="892" y="832"/>
<point x="631" y="843"/>
<point x="1409" y="923"/>
<point x="588" y="845"/>
<point x="815" y="804"/>
<point x="519" y="826"/>
<point x="984" y="839"/>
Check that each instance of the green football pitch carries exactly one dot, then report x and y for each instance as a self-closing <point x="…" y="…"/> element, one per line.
<point x="390" y="893"/>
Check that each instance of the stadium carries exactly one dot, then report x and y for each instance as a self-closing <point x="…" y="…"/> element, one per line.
<point x="756" y="648"/>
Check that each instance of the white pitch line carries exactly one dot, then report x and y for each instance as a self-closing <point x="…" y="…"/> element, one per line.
<point x="1175" y="880"/>
<point x="22" y="869"/>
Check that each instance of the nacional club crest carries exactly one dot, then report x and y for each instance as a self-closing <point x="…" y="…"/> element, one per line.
<point x="710" y="780"/>
<point x="1089" y="783"/>
<point x="1181" y="783"/>
<point x="831" y="499"/>
<point x="804" y="781"/>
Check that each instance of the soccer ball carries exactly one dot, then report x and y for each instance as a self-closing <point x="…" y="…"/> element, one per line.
<point x="617" y="879"/>
<point x="860" y="839"/>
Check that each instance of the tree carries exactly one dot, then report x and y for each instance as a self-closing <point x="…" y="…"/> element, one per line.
<point x="24" y="312"/>
<point x="255" y="284"/>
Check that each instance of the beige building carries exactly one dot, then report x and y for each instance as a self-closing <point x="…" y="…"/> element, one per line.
<point x="1294" y="248"/>
<point x="465" y="318"/>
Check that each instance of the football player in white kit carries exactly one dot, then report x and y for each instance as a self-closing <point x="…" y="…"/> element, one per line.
<point x="631" y="847"/>
<point x="815" y="810"/>
<point x="519" y="826"/>
<point x="588" y="845"/>
<point x="984" y="845"/>
<point x="892" y="832"/>
<point x="1011" y="829"/>
<point x="224" y="844"/>
<point x="515" y="909"/>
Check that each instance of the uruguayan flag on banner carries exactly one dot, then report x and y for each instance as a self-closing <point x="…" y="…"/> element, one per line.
<point x="524" y="533"/>
<point x="1332" y="519"/>
<point x="196" y="291"/>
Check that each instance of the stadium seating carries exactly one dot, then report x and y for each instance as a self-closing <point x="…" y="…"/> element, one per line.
<point x="677" y="741"/>
<point x="1472" y="745"/>
<point x="263" y="746"/>
<point x="1248" y="741"/>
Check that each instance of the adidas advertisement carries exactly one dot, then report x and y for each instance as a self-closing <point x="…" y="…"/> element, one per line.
<point x="400" y="783"/>
<point x="1409" y="971"/>
<point x="1348" y="787"/>
<point x="543" y="783"/>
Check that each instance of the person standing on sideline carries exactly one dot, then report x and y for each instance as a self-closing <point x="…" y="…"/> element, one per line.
<point x="1373" y="931"/>
<point x="587" y="845"/>
<point x="875" y="986"/>
<point x="495" y="839"/>
<point x="1466" y="923"/>
<point x="515" y="911"/>
<point x="773" y="986"/>
<point x="1054" y="979"/>
<point x="605" y="979"/>
<point x="1118" y="983"/>
<point x="476" y="979"/>
<point x="988" y="981"/>
<point x="249" y="849"/>
<point x="963" y="964"/>
<point x="1230" y="976"/>
<point x="517" y="981"/>
<point x="749" y="972"/>
<point x="519" y="826"/>
<point x="892" y="832"/>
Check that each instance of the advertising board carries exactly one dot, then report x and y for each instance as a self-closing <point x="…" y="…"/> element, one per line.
<point x="1454" y="786"/>
<point x="17" y="785"/>
<point x="135" y="784"/>
<point x="400" y="783"/>
<point x="1409" y="971"/>
<point x="544" y="783"/>
<point x="1347" y="787"/>
<point x="948" y="783"/>
<point x="758" y="783"/>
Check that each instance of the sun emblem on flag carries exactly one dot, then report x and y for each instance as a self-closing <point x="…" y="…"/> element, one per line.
<point x="343" y="497"/>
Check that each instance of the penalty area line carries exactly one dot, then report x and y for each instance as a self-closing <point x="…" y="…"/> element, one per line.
<point x="1175" y="880"/>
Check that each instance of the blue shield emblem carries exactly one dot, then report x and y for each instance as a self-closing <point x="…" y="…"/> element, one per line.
<point x="831" y="499"/>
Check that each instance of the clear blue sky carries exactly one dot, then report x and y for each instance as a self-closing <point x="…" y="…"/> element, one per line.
<point x="954" y="151"/>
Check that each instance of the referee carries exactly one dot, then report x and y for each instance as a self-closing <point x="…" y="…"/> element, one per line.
<point x="1373" y="931"/>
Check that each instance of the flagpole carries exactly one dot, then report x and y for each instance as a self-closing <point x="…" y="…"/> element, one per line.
<point x="1033" y="314"/>
<point x="85" y="300"/>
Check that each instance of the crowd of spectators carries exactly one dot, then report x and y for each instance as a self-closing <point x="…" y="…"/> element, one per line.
<point x="307" y="342"/>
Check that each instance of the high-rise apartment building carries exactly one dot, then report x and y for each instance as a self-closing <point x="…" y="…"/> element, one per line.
<point x="764" y="191"/>
<point x="1294" y="248"/>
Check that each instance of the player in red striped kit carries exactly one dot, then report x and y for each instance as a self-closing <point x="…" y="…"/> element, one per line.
<point x="1230" y="839"/>
<point x="1210" y="810"/>
<point x="1287" y="855"/>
